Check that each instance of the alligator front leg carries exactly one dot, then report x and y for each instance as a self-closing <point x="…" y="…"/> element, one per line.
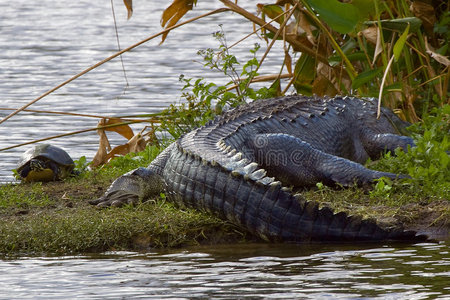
<point x="295" y="162"/>
<point x="137" y="185"/>
<point x="375" y="144"/>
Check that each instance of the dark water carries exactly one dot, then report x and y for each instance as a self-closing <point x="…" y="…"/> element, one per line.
<point x="263" y="271"/>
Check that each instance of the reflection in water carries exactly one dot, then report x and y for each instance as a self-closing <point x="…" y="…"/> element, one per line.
<point x="419" y="271"/>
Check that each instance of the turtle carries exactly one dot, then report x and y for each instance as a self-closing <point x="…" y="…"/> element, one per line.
<point x="45" y="162"/>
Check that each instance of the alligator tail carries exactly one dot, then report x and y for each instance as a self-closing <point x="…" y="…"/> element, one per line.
<point x="267" y="210"/>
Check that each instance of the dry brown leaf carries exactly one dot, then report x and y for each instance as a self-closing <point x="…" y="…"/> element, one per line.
<point x="288" y="61"/>
<point x="378" y="47"/>
<point x="129" y="6"/>
<point x="424" y="12"/>
<point x="118" y="150"/>
<point x="100" y="157"/>
<point x="174" y="13"/>
<point x="307" y="27"/>
<point x="323" y="87"/>
<point x="371" y="34"/>
<point x="283" y="2"/>
<point x="438" y="57"/>
<point x="123" y="130"/>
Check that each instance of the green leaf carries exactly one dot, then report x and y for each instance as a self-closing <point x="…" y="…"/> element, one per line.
<point x="398" y="47"/>
<point x="398" y="24"/>
<point x="341" y="17"/>
<point x="272" y="11"/>
<point x="364" y="77"/>
<point x="304" y="74"/>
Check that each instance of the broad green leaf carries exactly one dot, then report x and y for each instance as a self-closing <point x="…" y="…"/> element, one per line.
<point x="398" y="24"/>
<point x="398" y="46"/>
<point x="304" y="74"/>
<point x="341" y="17"/>
<point x="365" y="7"/>
<point x="365" y="77"/>
<point x="357" y="56"/>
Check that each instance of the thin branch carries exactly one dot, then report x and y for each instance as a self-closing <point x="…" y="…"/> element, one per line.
<point x="68" y="134"/>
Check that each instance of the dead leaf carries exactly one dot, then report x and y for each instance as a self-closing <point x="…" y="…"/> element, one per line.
<point x="129" y="6"/>
<point x="424" y="12"/>
<point x="283" y="2"/>
<point x="288" y="61"/>
<point x="371" y="34"/>
<point x="323" y="87"/>
<point x="378" y="47"/>
<point x="100" y="157"/>
<point x="174" y="13"/>
<point x="438" y="57"/>
<point x="307" y="27"/>
<point x="124" y="130"/>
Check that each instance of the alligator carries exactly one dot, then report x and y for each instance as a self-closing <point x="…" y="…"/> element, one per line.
<point x="243" y="165"/>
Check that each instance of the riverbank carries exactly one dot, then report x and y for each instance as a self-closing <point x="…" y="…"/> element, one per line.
<point x="55" y="218"/>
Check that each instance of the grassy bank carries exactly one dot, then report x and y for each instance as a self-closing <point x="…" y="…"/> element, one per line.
<point x="55" y="218"/>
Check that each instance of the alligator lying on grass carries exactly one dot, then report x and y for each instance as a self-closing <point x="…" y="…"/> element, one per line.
<point x="227" y="167"/>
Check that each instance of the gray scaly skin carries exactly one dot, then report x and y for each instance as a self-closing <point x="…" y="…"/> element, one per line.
<point x="240" y="167"/>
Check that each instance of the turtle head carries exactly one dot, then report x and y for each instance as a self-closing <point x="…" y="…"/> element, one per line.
<point x="37" y="165"/>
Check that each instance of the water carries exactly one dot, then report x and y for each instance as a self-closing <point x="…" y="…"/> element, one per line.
<point x="252" y="271"/>
<point x="45" y="43"/>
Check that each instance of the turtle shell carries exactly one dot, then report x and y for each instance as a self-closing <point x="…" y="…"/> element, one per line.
<point x="60" y="157"/>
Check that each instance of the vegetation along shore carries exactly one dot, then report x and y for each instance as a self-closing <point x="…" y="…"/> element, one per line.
<point x="396" y="51"/>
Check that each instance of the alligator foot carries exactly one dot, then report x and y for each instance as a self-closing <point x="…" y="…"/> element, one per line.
<point x="116" y="198"/>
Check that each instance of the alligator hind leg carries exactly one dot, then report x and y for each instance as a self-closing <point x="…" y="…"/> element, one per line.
<point x="295" y="162"/>
<point x="131" y="188"/>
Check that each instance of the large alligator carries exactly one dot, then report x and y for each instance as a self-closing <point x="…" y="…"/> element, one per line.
<point x="242" y="165"/>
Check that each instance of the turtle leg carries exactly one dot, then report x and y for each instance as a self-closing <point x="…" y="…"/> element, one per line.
<point x="55" y="169"/>
<point x="134" y="186"/>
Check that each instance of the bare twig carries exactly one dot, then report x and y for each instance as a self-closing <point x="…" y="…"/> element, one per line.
<point x="68" y="134"/>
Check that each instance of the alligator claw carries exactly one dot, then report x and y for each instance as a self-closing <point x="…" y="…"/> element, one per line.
<point x="117" y="198"/>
